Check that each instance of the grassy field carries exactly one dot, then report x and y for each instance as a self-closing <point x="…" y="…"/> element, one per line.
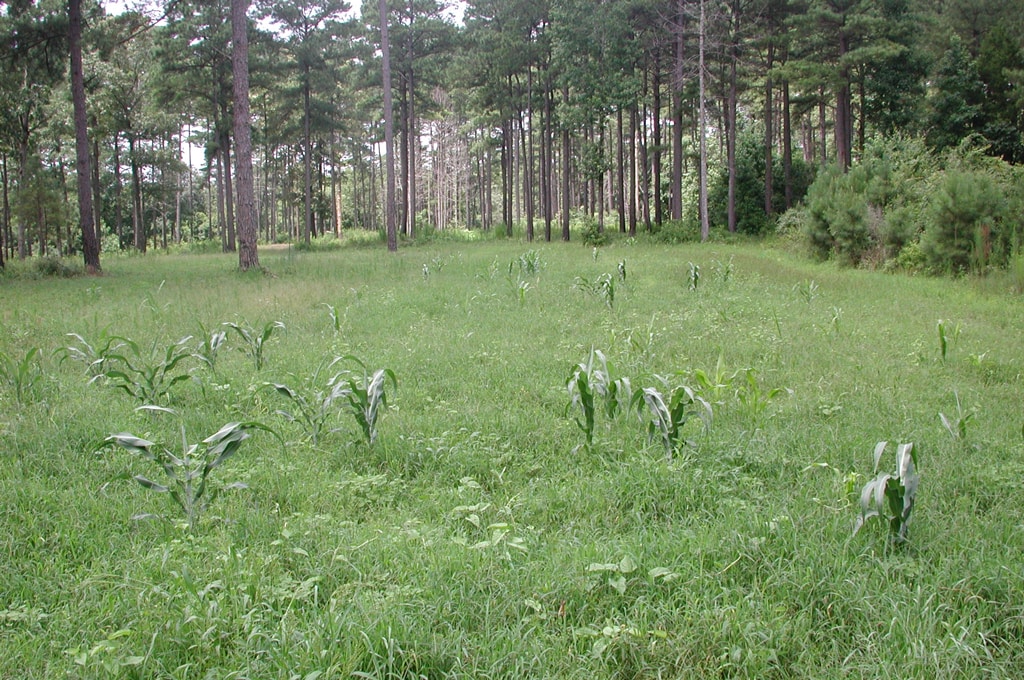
<point x="478" y="537"/>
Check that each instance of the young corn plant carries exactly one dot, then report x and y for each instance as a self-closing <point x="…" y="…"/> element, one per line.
<point x="890" y="496"/>
<point x="591" y="380"/>
<point x="946" y="340"/>
<point x="603" y="286"/>
<point x="313" y="405"/>
<point x="148" y="379"/>
<point x="187" y="475"/>
<point x="715" y="385"/>
<point x="366" y="394"/>
<point x="693" y="278"/>
<point x="210" y="343"/>
<point x="337" y="319"/>
<point x="94" y="358"/>
<point x="755" y="398"/>
<point x="529" y="263"/>
<point x="255" y="341"/>
<point x="956" y="425"/>
<point x="21" y="375"/>
<point x="666" y="417"/>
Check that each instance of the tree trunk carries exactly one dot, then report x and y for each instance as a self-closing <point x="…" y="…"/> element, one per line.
<point x="821" y="128"/>
<point x="621" y="170"/>
<point x="138" y="228"/>
<point x="566" y="167"/>
<point x="787" y="146"/>
<point x="5" y="228"/>
<point x="677" y="119"/>
<point x="229" y="194"/>
<point x="527" y="140"/>
<point x="248" y="257"/>
<point x="547" y="183"/>
<point x="844" y="122"/>
<point x="389" y="131"/>
<point x="307" y="160"/>
<point x="90" y="245"/>
<point x="705" y="230"/>
<point x="769" y="131"/>
<point x="632" y="169"/>
<point x="730" y="121"/>
<point x="658" y="216"/>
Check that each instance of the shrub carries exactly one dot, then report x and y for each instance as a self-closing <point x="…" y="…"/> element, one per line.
<point x="591" y="232"/>
<point x="751" y="217"/>
<point x="54" y="265"/>
<point x="677" y="231"/>
<point x="838" y="222"/>
<point x="966" y="214"/>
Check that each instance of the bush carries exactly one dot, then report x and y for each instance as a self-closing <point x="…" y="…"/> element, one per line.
<point x="54" y="265"/>
<point x="323" y="243"/>
<point x="677" y="231"/>
<point x="837" y="221"/>
<point x="966" y="215"/>
<point x="751" y="217"/>
<point x="590" y="231"/>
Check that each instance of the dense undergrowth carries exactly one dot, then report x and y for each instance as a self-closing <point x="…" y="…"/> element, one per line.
<point x="477" y="536"/>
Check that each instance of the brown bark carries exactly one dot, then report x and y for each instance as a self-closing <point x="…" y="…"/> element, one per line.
<point x="90" y="244"/>
<point x="389" y="131"/>
<point x="248" y="256"/>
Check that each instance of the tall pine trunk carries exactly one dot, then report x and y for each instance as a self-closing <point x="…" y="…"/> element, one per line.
<point x="389" y="131"/>
<point x="248" y="257"/>
<point x="90" y="244"/>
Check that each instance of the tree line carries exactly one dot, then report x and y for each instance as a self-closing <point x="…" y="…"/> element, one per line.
<point x="123" y="131"/>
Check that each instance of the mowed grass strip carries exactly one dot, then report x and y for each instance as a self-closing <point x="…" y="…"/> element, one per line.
<point x="476" y="536"/>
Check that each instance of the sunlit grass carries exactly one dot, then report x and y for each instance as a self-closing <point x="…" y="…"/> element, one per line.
<point x="463" y="542"/>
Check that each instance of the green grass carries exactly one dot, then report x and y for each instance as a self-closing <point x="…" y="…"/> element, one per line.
<point x="461" y="543"/>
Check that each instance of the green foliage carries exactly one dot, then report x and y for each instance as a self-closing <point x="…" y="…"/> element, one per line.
<point x="366" y="395"/>
<point x="94" y="358"/>
<point x="314" y="405"/>
<point x="601" y="286"/>
<point x="954" y="108"/>
<point x="838" y="217"/>
<point x="956" y="425"/>
<point x="716" y="385"/>
<point x="21" y="375"/>
<point x="255" y="341"/>
<point x="754" y="398"/>
<point x="529" y="263"/>
<point x="146" y="377"/>
<point x="521" y="269"/>
<point x="674" y="232"/>
<point x="890" y="496"/>
<point x="947" y="339"/>
<point x="210" y="343"/>
<point x="590" y="384"/>
<point x="966" y="216"/>
<point x="319" y="244"/>
<point x="693" y="276"/>
<point x="187" y="476"/>
<point x="751" y="217"/>
<point x="591" y="233"/>
<point x="667" y="417"/>
<point x="55" y="266"/>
